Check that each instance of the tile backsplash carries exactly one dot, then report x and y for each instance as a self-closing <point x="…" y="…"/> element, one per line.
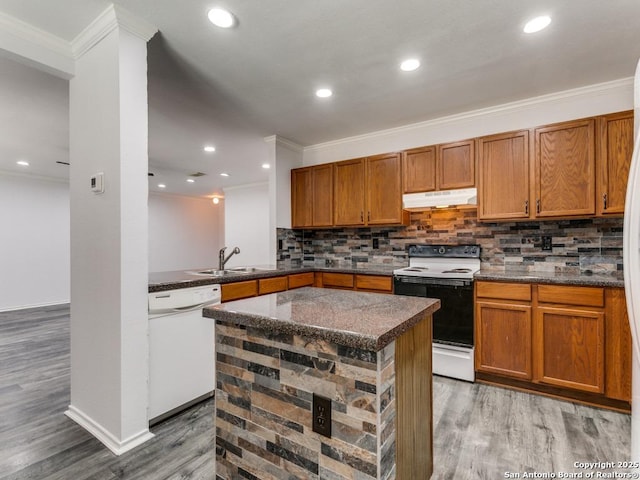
<point x="577" y="245"/>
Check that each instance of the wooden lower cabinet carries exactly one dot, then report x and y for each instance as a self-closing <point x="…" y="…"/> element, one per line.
<point x="349" y="281"/>
<point x="337" y="280"/>
<point x="298" y="280"/>
<point x="238" y="290"/>
<point x="503" y="338"/>
<point x="569" y="348"/>
<point x="374" y="283"/>
<point x="562" y="340"/>
<point x="272" y="285"/>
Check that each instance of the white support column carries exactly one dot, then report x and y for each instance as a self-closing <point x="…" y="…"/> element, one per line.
<point x="109" y="231"/>
<point x="283" y="156"/>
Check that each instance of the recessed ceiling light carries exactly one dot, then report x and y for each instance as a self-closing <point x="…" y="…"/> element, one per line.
<point x="324" y="93"/>
<point x="224" y="174"/>
<point x="537" y="24"/>
<point x="162" y="185"/>
<point x="216" y="200"/>
<point x="221" y="18"/>
<point x="190" y="180"/>
<point x="410" y="64"/>
<point x="22" y="163"/>
<point x="209" y="148"/>
<point x="266" y="166"/>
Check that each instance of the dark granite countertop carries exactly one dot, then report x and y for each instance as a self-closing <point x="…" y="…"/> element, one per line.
<point x="594" y="279"/>
<point x="162" y="281"/>
<point x="369" y="321"/>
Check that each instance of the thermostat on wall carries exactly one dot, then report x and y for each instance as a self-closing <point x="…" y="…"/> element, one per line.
<point x="97" y="183"/>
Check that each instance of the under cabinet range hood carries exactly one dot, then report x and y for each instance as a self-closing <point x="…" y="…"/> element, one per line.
<point x="442" y="198"/>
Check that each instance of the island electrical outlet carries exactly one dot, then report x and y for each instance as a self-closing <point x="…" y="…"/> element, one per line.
<point x="321" y="421"/>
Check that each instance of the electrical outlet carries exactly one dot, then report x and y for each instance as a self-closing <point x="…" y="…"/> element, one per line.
<point x="546" y="244"/>
<point x="321" y="421"/>
<point x="376" y="243"/>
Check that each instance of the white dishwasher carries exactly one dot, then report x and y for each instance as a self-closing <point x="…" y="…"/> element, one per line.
<point x="181" y="349"/>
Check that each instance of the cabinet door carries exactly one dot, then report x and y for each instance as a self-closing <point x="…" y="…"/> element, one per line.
<point x="569" y="348"/>
<point x="237" y="290"/>
<point x="337" y="280"/>
<point x="322" y="203"/>
<point x="419" y="170"/>
<point x="272" y="285"/>
<point x="503" y="339"/>
<point x="384" y="189"/>
<point x="456" y="165"/>
<point x="374" y="283"/>
<point x="618" y="346"/>
<point x="565" y="169"/>
<point x="301" y="198"/>
<point x="503" y="166"/>
<point x="616" y="148"/>
<point x="349" y="192"/>
<point x="298" y="280"/>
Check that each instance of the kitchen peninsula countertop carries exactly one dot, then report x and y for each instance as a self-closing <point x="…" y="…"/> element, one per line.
<point x="368" y="321"/>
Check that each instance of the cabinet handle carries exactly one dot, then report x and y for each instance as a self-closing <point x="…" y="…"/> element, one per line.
<point x="526" y="207"/>
<point x="604" y="201"/>
<point x="538" y="206"/>
<point x="368" y="216"/>
<point x="361" y="216"/>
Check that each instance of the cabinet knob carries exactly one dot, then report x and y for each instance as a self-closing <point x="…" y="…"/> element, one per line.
<point x="604" y="201"/>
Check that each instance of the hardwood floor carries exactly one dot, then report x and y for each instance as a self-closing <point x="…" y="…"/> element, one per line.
<point x="480" y="432"/>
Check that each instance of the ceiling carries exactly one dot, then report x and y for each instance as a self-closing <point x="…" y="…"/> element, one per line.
<point x="232" y="88"/>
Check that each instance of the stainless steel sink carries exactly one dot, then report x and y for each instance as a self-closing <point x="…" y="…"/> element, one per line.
<point x="229" y="271"/>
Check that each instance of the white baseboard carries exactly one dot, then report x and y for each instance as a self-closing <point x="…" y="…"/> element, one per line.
<point x="109" y="440"/>
<point x="35" y="305"/>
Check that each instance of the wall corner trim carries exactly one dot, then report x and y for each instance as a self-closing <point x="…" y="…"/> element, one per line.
<point x="112" y="17"/>
<point x="109" y="440"/>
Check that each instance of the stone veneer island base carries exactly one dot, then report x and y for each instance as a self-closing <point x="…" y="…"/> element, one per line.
<point x="369" y="353"/>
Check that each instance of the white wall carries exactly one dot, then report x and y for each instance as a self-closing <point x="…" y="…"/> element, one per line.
<point x="557" y="107"/>
<point x="246" y="217"/>
<point x="184" y="232"/>
<point x="34" y="240"/>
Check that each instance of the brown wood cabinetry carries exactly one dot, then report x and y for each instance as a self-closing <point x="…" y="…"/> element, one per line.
<point x="349" y="192"/>
<point x="503" y="329"/>
<point x="562" y="340"/>
<point x="298" y="280"/>
<point x="564" y="169"/>
<point x="368" y="283"/>
<point x="337" y="280"/>
<point x="456" y="165"/>
<point x="439" y="167"/>
<point x="419" y="170"/>
<point x="272" y="285"/>
<point x="374" y="283"/>
<point x="384" y="189"/>
<point x="312" y="196"/>
<point x="238" y="290"/>
<point x="503" y="180"/>
<point x="616" y="148"/>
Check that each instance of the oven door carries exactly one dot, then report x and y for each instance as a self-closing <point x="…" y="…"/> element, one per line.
<point x="453" y="323"/>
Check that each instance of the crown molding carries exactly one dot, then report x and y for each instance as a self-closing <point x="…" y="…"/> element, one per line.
<point x="35" y="46"/>
<point x="549" y="99"/>
<point x="246" y="185"/>
<point x="34" y="176"/>
<point x="281" y="141"/>
<point x="112" y="17"/>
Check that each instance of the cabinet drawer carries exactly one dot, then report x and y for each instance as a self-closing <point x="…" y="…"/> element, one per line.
<point x="301" y="280"/>
<point x="272" y="285"/>
<point x="571" y="295"/>
<point x="237" y="290"/>
<point x="504" y="291"/>
<point x="374" y="282"/>
<point x="340" y="280"/>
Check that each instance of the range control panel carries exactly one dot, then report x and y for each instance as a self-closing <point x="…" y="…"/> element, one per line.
<point x="445" y="251"/>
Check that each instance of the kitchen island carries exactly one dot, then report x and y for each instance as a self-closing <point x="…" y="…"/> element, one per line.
<point x="369" y="354"/>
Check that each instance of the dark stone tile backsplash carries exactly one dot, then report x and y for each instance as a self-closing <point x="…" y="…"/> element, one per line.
<point x="578" y="246"/>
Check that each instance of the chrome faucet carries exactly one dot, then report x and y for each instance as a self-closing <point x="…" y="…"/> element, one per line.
<point x="221" y="258"/>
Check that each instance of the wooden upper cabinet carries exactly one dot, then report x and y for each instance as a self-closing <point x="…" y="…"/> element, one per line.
<point x="322" y="196"/>
<point x="456" y="165"/>
<point x="503" y="180"/>
<point x="565" y="169"/>
<point x="349" y="192"/>
<point x="419" y="170"/>
<point x="301" y="198"/>
<point x="384" y="189"/>
<point x="616" y="148"/>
